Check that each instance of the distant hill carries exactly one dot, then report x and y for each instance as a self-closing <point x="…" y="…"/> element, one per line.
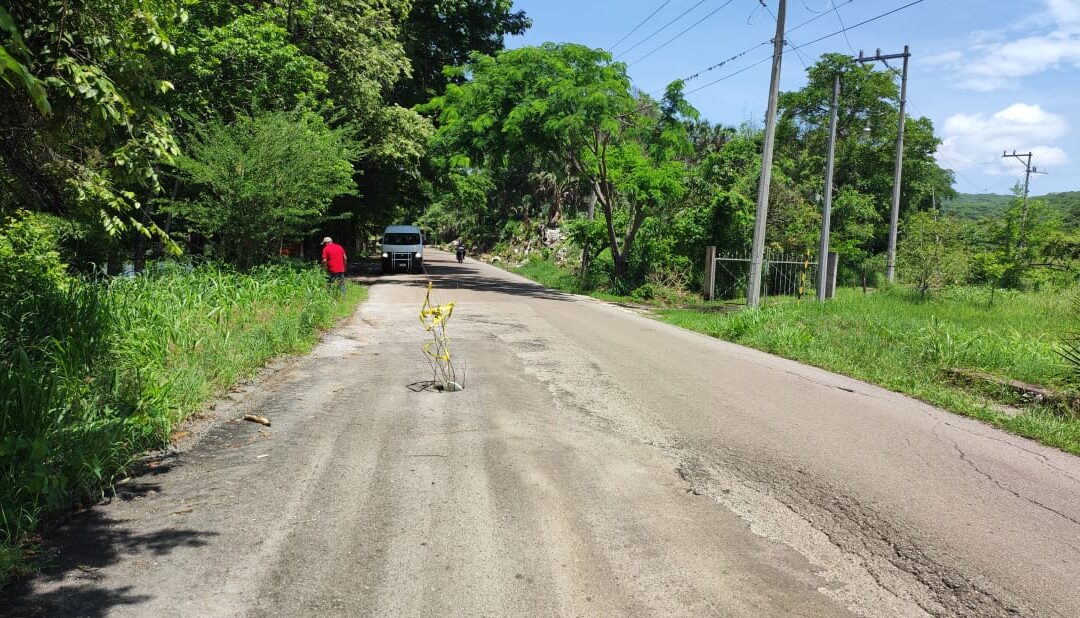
<point x="977" y="205"/>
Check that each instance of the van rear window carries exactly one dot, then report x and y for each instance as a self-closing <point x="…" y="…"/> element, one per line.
<point x="402" y="239"/>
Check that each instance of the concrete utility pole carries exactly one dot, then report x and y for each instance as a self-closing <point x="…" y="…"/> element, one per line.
<point x="826" y="209"/>
<point x="753" y="294"/>
<point x="894" y="214"/>
<point x="1028" y="171"/>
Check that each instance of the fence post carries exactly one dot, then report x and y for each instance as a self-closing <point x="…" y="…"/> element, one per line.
<point x="710" y="273"/>
<point x="830" y="281"/>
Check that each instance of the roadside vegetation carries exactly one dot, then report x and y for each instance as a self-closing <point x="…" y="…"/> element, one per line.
<point x="93" y="372"/>
<point x="191" y="145"/>
<point x="167" y="169"/>
<point x="903" y="342"/>
<point x="553" y="162"/>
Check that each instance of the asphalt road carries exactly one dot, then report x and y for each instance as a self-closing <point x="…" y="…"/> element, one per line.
<point x="598" y="463"/>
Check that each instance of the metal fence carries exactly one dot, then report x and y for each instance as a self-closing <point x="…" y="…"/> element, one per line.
<point x="781" y="275"/>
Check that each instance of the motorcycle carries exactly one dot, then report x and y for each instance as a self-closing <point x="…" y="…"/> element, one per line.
<point x="460" y="254"/>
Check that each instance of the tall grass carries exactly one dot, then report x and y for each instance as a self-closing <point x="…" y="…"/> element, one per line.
<point x="94" y="374"/>
<point x="895" y="339"/>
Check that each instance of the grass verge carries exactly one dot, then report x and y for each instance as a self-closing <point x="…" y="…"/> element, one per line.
<point x="897" y="340"/>
<point x="95" y="373"/>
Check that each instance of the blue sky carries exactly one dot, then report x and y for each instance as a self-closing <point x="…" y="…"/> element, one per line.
<point x="991" y="74"/>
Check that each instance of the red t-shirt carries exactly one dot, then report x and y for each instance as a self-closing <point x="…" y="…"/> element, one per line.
<point x="333" y="255"/>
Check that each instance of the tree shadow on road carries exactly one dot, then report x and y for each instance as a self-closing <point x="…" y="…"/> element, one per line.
<point x="67" y="582"/>
<point x="448" y="275"/>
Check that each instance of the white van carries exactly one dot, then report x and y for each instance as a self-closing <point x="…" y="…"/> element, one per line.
<point x="402" y="249"/>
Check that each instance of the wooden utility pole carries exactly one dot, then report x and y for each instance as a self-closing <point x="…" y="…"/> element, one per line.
<point x="753" y="294"/>
<point x="894" y="213"/>
<point x="1028" y="171"/>
<point x="826" y="209"/>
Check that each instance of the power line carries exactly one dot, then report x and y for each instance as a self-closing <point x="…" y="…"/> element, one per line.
<point x="863" y="23"/>
<point x="824" y="10"/>
<point x="723" y="62"/>
<point x="787" y="40"/>
<point x="762" y="44"/>
<point x="842" y="25"/>
<point x="637" y="27"/>
<point x="813" y="19"/>
<point x="662" y="28"/>
<point x="730" y="75"/>
<point x="817" y="40"/>
<point x="692" y="26"/>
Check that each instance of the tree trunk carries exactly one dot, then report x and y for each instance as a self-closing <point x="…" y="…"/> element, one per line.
<point x="590" y="211"/>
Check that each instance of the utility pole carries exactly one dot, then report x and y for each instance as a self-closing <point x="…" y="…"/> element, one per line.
<point x="894" y="213"/>
<point x="826" y="209"/>
<point x="753" y="294"/>
<point x="1028" y="171"/>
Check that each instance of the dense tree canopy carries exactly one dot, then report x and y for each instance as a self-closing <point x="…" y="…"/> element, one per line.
<point x="134" y="117"/>
<point x="98" y="97"/>
<point x="570" y="110"/>
<point x="80" y="131"/>
<point x="443" y="33"/>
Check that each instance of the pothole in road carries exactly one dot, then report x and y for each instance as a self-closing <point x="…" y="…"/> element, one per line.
<point x="433" y="386"/>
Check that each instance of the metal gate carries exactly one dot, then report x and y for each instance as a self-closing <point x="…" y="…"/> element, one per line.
<point x="781" y="275"/>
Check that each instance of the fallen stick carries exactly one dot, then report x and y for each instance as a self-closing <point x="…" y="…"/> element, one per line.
<point x="255" y="418"/>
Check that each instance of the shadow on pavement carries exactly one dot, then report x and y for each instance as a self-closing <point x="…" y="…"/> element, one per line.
<point x="67" y="582"/>
<point x="444" y="271"/>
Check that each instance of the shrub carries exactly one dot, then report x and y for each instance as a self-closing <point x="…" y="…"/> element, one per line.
<point x="117" y="364"/>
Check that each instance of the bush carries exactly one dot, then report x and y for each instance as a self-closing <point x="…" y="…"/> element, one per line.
<point x="1070" y="346"/>
<point x="118" y="364"/>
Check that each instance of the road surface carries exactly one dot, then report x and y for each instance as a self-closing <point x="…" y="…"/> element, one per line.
<point x="598" y="463"/>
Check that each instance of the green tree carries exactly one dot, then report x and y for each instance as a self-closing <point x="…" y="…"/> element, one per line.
<point x="445" y="33"/>
<point x="865" y="148"/>
<point x="244" y="66"/>
<point x="567" y="105"/>
<point x="81" y="132"/>
<point x="262" y="180"/>
<point x="932" y="252"/>
<point x="1013" y="251"/>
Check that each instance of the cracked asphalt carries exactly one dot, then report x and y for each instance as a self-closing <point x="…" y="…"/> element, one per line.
<point x="598" y="463"/>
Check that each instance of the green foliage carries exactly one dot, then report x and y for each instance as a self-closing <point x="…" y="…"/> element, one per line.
<point x="864" y="159"/>
<point x="245" y="66"/>
<point x="1070" y="345"/>
<point x="1022" y="246"/>
<point x="571" y="108"/>
<point x="12" y="63"/>
<point x="262" y="180"/>
<point x="932" y="253"/>
<point x="118" y="364"/>
<point x="462" y="207"/>
<point x="973" y="207"/>
<point x="442" y="33"/>
<point x="29" y="255"/>
<point x="91" y="141"/>
<point x="903" y="342"/>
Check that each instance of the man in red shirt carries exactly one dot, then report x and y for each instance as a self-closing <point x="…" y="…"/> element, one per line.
<point x="333" y="257"/>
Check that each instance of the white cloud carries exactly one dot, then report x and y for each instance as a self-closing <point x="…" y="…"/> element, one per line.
<point x="1065" y="12"/>
<point x="998" y="60"/>
<point x="977" y="140"/>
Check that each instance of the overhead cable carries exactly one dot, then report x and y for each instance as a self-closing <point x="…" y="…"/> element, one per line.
<point x="750" y="49"/>
<point x="691" y="27"/>
<point x="817" y="40"/>
<point x="662" y="28"/>
<point x="863" y="23"/>
<point x="638" y="27"/>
